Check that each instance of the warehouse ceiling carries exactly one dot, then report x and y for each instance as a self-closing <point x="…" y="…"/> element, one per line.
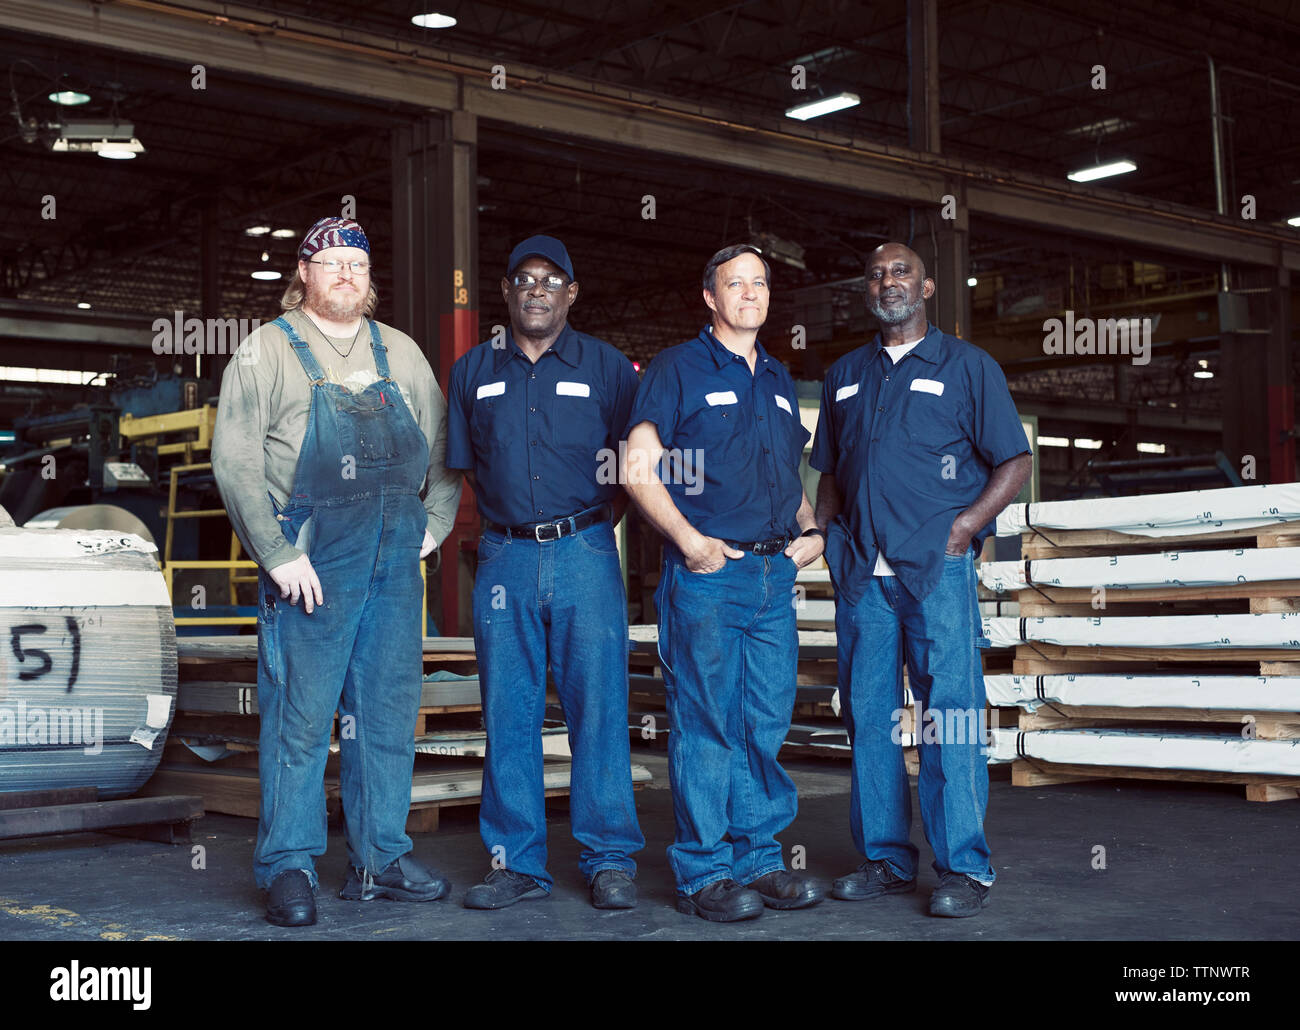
<point x="1015" y="93"/>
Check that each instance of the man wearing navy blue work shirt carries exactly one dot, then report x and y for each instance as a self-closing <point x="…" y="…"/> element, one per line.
<point x="920" y="447"/>
<point x="532" y="419"/>
<point x="724" y="416"/>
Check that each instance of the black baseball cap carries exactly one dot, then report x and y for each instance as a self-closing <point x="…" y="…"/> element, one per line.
<point x="541" y="246"/>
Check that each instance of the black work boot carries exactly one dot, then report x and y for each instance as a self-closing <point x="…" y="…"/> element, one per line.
<point x="724" y="901"/>
<point x="503" y="887"/>
<point x="405" y="879"/>
<point x="291" y="901"/>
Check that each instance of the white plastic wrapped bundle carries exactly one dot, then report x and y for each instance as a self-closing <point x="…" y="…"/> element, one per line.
<point x="1148" y="571"/>
<point x="1230" y="693"/>
<point x="1177" y="514"/>
<point x="87" y="660"/>
<point x="1147" y="749"/>
<point x="1273" y="630"/>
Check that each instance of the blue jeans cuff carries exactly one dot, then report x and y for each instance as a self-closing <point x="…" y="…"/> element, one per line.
<point x="686" y="890"/>
<point x="779" y="867"/>
<point x="629" y="869"/>
<point x="288" y="868"/>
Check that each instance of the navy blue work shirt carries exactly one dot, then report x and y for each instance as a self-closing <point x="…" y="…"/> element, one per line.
<point x="911" y="446"/>
<point x="733" y="438"/>
<point x="541" y="439"/>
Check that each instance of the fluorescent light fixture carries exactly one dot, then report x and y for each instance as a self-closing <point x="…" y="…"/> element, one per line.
<point x="823" y="105"/>
<point x="69" y="98"/>
<point x="433" y="20"/>
<point x="268" y="274"/>
<point x="67" y="377"/>
<point x="84" y="305"/>
<point x="1102" y="171"/>
<point x="284" y="234"/>
<point x="1151" y="448"/>
<point x="119" y="151"/>
<point x="1084" y="444"/>
<point x="971" y="281"/>
<point x="1294" y="221"/>
<point x="1053" y="441"/>
<point x="257" y="230"/>
<point x="112" y="148"/>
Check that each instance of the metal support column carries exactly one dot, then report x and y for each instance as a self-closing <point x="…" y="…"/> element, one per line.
<point x="211" y="366"/>
<point x="435" y="285"/>
<point x="1281" y="388"/>
<point x="923" y="75"/>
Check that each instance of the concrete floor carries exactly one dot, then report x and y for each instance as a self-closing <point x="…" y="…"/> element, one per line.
<point x="1182" y="863"/>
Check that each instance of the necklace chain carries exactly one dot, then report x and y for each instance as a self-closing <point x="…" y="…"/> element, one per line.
<point x="351" y="347"/>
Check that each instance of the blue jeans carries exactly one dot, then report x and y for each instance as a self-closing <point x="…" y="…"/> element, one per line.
<point x="358" y="653"/>
<point x="562" y="599"/>
<point x="729" y="648"/>
<point x="939" y="636"/>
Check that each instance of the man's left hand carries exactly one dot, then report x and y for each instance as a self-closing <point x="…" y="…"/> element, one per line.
<point x="959" y="539"/>
<point x="428" y="545"/>
<point x="805" y="550"/>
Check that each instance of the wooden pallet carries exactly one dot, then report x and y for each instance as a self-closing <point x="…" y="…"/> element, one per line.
<point x="43" y="813"/>
<point x="1036" y="659"/>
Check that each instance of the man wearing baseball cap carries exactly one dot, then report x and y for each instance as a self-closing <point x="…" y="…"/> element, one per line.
<point x="534" y="419"/>
<point x="329" y="428"/>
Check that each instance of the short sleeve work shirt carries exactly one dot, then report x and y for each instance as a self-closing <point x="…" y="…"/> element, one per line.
<point x="733" y="438"/>
<point x="541" y="438"/>
<point x="911" y="446"/>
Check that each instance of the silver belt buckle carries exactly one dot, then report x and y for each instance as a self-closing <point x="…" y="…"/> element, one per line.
<point x="537" y="532"/>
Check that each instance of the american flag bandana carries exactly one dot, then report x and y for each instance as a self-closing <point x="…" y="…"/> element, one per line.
<point x="333" y="232"/>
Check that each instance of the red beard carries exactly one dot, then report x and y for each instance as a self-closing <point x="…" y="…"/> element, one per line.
<point x="335" y="304"/>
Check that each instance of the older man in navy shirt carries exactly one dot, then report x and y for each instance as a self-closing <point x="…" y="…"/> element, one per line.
<point x="535" y="419"/>
<point x="724" y="414"/>
<point x="920" y="447"/>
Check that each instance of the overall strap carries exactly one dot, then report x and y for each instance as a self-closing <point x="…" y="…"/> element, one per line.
<point x="380" y="352"/>
<point x="308" y="360"/>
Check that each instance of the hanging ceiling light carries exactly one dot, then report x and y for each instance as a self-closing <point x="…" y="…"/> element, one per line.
<point x="69" y="98"/>
<point x="823" y="105"/>
<point x="1102" y="171"/>
<point x="433" y="20"/>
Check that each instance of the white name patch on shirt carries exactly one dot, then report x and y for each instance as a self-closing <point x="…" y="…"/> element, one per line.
<point x="845" y="392"/>
<point x="781" y="402"/>
<point x="928" y="386"/>
<point x="490" y="390"/>
<point x="722" y="397"/>
<point x="572" y="389"/>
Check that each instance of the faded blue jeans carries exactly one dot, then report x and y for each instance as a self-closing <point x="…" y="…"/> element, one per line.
<point x="561" y="600"/>
<point x="939" y="637"/>
<point x="729" y="647"/>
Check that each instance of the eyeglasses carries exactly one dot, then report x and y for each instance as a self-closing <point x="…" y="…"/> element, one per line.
<point x="550" y="283"/>
<point x="333" y="267"/>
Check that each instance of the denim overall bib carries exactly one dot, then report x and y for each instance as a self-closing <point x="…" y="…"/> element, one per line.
<point x="358" y="478"/>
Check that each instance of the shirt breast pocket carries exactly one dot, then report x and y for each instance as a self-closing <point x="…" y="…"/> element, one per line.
<point x="482" y="419"/>
<point x="935" y="423"/>
<point x="717" y="429"/>
<point x="577" y="420"/>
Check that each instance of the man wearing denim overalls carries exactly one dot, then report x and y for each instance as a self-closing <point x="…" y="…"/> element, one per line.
<point x="329" y="425"/>
<point x="920" y="448"/>
<point x="735" y="531"/>
<point x="534" y="416"/>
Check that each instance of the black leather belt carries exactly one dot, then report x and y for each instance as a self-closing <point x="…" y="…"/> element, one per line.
<point x="761" y="548"/>
<point x="543" y="531"/>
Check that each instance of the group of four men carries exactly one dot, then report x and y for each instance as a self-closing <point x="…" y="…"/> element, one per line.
<point x="917" y="458"/>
